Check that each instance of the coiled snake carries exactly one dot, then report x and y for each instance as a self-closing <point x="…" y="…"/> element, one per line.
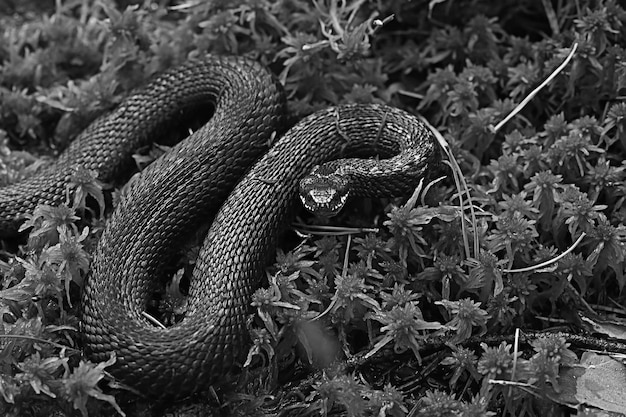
<point x="187" y="186"/>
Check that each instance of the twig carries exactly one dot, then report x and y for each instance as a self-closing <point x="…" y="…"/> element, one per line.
<point x="153" y="320"/>
<point x="533" y="93"/>
<point x="579" y="341"/>
<point x="37" y="339"/>
<point x="549" y="261"/>
<point x="331" y="230"/>
<point x="462" y="188"/>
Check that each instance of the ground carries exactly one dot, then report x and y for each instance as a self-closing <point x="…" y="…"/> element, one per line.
<point x="490" y="291"/>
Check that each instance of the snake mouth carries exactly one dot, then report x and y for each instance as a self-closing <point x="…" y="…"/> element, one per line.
<point x="324" y="194"/>
<point x="323" y="202"/>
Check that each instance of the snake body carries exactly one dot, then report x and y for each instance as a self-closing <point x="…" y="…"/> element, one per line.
<point x="187" y="186"/>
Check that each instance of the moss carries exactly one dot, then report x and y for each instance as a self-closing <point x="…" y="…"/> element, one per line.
<point x="552" y="173"/>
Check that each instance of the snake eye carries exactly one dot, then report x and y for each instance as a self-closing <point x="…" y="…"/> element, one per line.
<point x="324" y="195"/>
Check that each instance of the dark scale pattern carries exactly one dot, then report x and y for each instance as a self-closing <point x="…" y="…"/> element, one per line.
<point x="184" y="187"/>
<point x="409" y="153"/>
<point x="107" y="145"/>
<point x="163" y="207"/>
<point x="239" y="244"/>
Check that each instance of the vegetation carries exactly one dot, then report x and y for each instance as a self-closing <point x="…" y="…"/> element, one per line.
<point x="477" y="302"/>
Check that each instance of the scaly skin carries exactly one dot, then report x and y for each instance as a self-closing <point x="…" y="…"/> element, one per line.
<point x="187" y="186"/>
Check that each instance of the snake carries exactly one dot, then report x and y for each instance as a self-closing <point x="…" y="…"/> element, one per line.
<point x="236" y="173"/>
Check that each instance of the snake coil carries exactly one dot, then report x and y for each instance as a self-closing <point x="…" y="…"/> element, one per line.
<point x="187" y="186"/>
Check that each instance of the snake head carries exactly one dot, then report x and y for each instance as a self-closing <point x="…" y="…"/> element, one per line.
<point x="324" y="194"/>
